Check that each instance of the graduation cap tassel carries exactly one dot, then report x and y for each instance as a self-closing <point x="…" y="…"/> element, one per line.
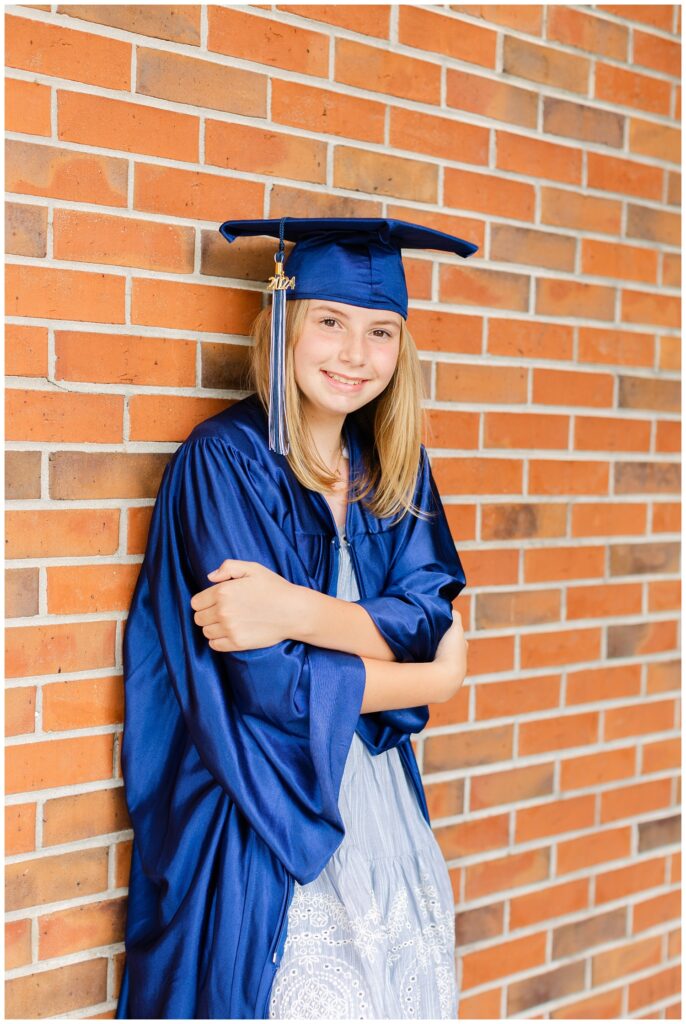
<point x="278" y="284"/>
<point x="278" y="442"/>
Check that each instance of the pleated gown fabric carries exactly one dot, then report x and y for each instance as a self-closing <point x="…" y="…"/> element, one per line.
<point x="373" y="936"/>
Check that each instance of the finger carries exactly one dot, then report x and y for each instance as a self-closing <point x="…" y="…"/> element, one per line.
<point x="203" y="599"/>
<point x="230" y="569"/>
<point x="214" y="632"/>
<point x="206" y="598"/>
<point x="221" y="645"/>
<point x="207" y="616"/>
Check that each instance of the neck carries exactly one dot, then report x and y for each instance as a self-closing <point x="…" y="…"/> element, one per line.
<point x="326" y="431"/>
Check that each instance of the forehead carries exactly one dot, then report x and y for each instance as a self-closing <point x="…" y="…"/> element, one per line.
<point x="350" y="312"/>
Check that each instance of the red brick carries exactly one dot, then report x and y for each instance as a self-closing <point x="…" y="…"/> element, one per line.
<point x="59" y="762"/>
<point x="26" y="350"/>
<point x="20" y="828"/>
<point x="124" y="359"/>
<point x="541" y="159"/>
<point x="650" y="308"/>
<point x="447" y="36"/>
<point x="480" y="287"/>
<point x="491" y="98"/>
<point x="559" y="297"/>
<point x="27" y="107"/>
<point x="119" y="124"/>
<point x="65" y="174"/>
<point x="267" y="40"/>
<point x="326" y="111"/>
<point x="587" y="31"/>
<point x="204" y="83"/>
<point x="656" y="15"/>
<point x="162" y="21"/>
<point x="498" y="196"/>
<point x="177" y="192"/>
<point x="654" y="139"/>
<point x="438" y="136"/>
<point x="656" y="52"/>
<point x="614" y="174"/>
<point x="85" y="927"/>
<point x="63" y="416"/>
<point x="588" y="124"/>
<point x="64" y="647"/>
<point x="242" y="147"/>
<point x="380" y="70"/>
<point x="61" y="52"/>
<point x="545" y="65"/>
<point x="18" y="943"/>
<point x="193" y="307"/>
<point x="375" y="172"/>
<point x="62" y="990"/>
<point x="91" y="588"/>
<point x="626" y="88"/>
<point x="123" y="242"/>
<point x="25" y="230"/>
<point x="64" y="294"/>
<point x="367" y="19"/>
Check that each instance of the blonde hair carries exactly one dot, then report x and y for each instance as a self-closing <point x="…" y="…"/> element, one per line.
<point x="390" y="424"/>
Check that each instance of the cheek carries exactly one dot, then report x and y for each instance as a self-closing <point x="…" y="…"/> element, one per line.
<point x="302" y="357"/>
<point x="309" y="351"/>
<point x="386" y="362"/>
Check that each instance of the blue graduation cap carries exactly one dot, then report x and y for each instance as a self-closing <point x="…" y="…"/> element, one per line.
<point x="356" y="260"/>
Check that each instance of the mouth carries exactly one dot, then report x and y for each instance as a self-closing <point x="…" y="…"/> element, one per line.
<point x="342" y="382"/>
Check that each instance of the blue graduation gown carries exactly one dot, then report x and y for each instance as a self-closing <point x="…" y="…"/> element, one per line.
<point x="233" y="761"/>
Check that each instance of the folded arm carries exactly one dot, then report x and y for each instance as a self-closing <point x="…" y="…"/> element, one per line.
<point x="338" y="624"/>
<point x="391" y="688"/>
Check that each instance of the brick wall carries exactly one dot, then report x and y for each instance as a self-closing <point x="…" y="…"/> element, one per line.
<point x="550" y="136"/>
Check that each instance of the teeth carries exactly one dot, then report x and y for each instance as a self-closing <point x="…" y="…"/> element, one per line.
<point x="342" y="379"/>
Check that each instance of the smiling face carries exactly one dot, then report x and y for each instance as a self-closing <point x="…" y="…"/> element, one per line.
<point x="359" y="346"/>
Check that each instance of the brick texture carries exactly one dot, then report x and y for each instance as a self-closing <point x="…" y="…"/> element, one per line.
<point x="548" y="135"/>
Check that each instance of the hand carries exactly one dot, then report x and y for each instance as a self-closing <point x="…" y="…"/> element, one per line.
<point x="451" y="656"/>
<point x="247" y="607"/>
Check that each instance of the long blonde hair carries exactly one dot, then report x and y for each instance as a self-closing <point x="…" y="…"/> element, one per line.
<point x="390" y="424"/>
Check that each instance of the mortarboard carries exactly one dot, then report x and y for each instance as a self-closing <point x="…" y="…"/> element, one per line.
<point x="356" y="260"/>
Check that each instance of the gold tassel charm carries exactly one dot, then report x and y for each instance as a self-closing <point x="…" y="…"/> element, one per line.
<point x="279" y="281"/>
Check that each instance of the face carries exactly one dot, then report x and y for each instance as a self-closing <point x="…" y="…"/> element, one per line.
<point x="358" y="345"/>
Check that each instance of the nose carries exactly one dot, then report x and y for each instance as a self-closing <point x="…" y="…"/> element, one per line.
<point x="353" y="348"/>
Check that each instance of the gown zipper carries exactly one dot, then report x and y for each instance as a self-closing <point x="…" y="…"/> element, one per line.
<point x="278" y="943"/>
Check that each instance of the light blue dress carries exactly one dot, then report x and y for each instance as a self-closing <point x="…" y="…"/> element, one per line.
<point x="373" y="936"/>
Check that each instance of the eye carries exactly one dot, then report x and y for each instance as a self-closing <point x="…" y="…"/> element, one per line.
<point x="377" y="331"/>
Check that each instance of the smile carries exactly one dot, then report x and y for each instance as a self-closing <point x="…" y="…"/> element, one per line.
<point x="345" y="382"/>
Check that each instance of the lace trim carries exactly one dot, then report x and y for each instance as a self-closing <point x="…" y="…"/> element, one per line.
<point x="408" y="958"/>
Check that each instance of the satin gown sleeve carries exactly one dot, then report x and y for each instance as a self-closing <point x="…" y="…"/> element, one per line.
<point x="273" y="726"/>
<point x="425" y="575"/>
<point x="414" y="611"/>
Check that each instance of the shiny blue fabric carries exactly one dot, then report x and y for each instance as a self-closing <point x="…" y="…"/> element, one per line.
<point x="356" y="260"/>
<point x="233" y="762"/>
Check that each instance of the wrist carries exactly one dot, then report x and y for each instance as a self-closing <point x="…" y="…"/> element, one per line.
<point x="299" y="613"/>
<point x="442" y="682"/>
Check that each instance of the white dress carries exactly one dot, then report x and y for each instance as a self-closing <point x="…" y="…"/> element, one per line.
<point x="373" y="936"/>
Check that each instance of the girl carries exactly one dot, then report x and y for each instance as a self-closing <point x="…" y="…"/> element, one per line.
<point x="283" y="862"/>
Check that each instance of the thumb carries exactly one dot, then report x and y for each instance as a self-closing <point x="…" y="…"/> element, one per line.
<point x="230" y="569"/>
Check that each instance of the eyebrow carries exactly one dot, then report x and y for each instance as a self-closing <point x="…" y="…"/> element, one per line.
<point x="339" y="312"/>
